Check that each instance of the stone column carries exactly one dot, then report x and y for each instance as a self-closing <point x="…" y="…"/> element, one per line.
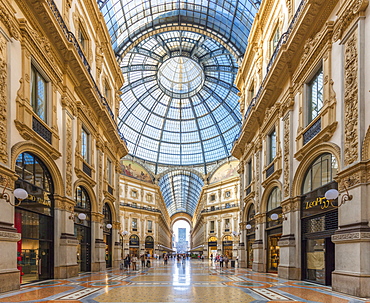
<point x="98" y="245"/>
<point x="258" y="247"/>
<point x="289" y="263"/>
<point x="65" y="241"/>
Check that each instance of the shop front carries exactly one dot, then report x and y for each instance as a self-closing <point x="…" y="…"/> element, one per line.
<point x="212" y="247"/>
<point x="107" y="234"/>
<point x="250" y="227"/>
<point x="227" y="246"/>
<point x="149" y="245"/>
<point x="34" y="219"/>
<point x="319" y="222"/>
<point x="82" y="229"/>
<point x="274" y="230"/>
<point x="134" y="246"/>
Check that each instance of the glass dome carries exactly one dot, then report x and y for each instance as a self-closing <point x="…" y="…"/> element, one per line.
<point x="180" y="106"/>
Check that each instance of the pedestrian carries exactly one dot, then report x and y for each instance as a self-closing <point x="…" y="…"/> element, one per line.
<point x="142" y="258"/>
<point x="133" y="261"/>
<point x="226" y="260"/>
<point x="221" y="261"/>
<point x="147" y="262"/>
<point x="127" y="261"/>
<point x="237" y="261"/>
<point x="165" y="258"/>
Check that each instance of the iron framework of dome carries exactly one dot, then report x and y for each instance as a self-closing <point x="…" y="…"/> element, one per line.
<point x="179" y="103"/>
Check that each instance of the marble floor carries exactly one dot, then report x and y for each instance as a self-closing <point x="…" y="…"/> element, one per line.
<point x="189" y="281"/>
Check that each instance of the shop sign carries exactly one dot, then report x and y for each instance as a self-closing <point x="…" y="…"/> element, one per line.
<point x="321" y="202"/>
<point x="227" y="243"/>
<point x="315" y="201"/>
<point x="212" y="243"/>
<point x="134" y="242"/>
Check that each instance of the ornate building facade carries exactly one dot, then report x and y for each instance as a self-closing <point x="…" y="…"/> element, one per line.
<point x="216" y="218"/>
<point x="145" y="223"/>
<point x="303" y="83"/>
<point x="58" y="109"/>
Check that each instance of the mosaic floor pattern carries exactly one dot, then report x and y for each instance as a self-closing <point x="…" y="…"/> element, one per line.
<point x="191" y="281"/>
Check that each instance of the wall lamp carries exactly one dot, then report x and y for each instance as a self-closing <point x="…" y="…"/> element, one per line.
<point x="274" y="217"/>
<point x="81" y="216"/>
<point x="109" y="226"/>
<point x="18" y="193"/>
<point x="235" y="233"/>
<point x="249" y="227"/>
<point x="123" y="233"/>
<point x="332" y="194"/>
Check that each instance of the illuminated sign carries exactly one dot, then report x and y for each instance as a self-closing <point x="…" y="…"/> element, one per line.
<point x="320" y="201"/>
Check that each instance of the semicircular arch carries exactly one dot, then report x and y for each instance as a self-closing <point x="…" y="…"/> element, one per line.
<point x="267" y="192"/>
<point x="54" y="171"/>
<point x="86" y="185"/>
<point x="326" y="147"/>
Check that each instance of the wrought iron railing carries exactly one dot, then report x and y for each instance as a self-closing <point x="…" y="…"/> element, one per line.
<point x="310" y="133"/>
<point x="141" y="207"/>
<point x="72" y="39"/>
<point x="206" y="210"/>
<point x="283" y="39"/>
<point x="86" y="169"/>
<point x="39" y="128"/>
<point x="270" y="170"/>
<point x="110" y="189"/>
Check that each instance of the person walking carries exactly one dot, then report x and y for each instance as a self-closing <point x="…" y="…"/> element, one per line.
<point x="127" y="261"/>
<point x="147" y="262"/>
<point x="226" y="259"/>
<point x="133" y="261"/>
<point x="221" y="261"/>
<point x="142" y="259"/>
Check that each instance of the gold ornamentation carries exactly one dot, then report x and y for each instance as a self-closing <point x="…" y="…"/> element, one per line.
<point x="3" y="100"/>
<point x="69" y="157"/>
<point x="286" y="185"/>
<point x="351" y="101"/>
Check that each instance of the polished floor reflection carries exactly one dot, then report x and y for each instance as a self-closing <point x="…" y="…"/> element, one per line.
<point x="188" y="281"/>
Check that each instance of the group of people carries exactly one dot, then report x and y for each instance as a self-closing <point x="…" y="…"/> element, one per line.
<point x="131" y="261"/>
<point x="224" y="259"/>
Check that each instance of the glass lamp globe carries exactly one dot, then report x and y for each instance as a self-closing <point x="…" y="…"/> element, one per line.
<point x="331" y="194"/>
<point x="82" y="216"/>
<point x="109" y="226"/>
<point x="248" y="226"/>
<point x="274" y="216"/>
<point x="20" y="194"/>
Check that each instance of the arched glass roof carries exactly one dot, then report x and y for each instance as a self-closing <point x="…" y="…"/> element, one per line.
<point x="180" y="106"/>
<point x="179" y="103"/>
<point x="130" y="20"/>
<point x="180" y="190"/>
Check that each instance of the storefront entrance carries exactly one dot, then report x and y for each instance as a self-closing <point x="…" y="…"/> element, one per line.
<point x="273" y="252"/>
<point x="227" y="247"/>
<point x="212" y="247"/>
<point x="250" y="241"/>
<point x="134" y="246"/>
<point x="34" y="220"/>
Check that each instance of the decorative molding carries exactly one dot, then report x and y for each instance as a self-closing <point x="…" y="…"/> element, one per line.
<point x="3" y="99"/>
<point x="9" y="21"/>
<point x="286" y="147"/>
<point x="69" y="151"/>
<point x="366" y="146"/>
<point x="350" y="10"/>
<point x="351" y="100"/>
<point x="351" y="237"/>
<point x="6" y="236"/>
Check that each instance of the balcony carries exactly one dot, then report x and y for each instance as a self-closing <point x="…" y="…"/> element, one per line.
<point x="218" y="208"/>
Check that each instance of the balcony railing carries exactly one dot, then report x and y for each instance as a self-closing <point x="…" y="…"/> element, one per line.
<point x="39" y="128"/>
<point x="206" y="210"/>
<point x="72" y="39"/>
<point x="283" y="39"/>
<point x="310" y="133"/>
<point x="270" y="170"/>
<point x="86" y="169"/>
<point x="141" y="207"/>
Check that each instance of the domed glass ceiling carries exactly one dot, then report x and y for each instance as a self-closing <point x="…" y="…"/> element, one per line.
<point x="180" y="106"/>
<point x="179" y="103"/>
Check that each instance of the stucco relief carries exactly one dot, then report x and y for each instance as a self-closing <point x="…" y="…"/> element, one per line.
<point x="3" y="99"/>
<point x="69" y="157"/>
<point x="351" y="101"/>
<point x="257" y="176"/>
<point x="286" y="184"/>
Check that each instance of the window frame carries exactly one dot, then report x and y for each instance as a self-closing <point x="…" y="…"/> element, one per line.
<point x="109" y="171"/>
<point x="271" y="146"/>
<point x="85" y="155"/>
<point x="37" y="72"/>
<point x="311" y="113"/>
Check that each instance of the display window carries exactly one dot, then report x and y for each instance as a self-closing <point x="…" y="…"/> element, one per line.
<point x="273" y="255"/>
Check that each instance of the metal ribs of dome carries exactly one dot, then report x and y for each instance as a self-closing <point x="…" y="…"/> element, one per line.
<point x="179" y="128"/>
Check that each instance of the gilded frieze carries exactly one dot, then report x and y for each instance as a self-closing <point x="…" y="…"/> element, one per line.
<point x="3" y="98"/>
<point x="351" y="100"/>
<point x="286" y="184"/>
<point x="68" y="156"/>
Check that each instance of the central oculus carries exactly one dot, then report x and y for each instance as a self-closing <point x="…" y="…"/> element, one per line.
<point x="180" y="75"/>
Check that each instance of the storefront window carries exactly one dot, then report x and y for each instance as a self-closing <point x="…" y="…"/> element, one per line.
<point x="273" y="252"/>
<point x="34" y="219"/>
<point x="107" y="234"/>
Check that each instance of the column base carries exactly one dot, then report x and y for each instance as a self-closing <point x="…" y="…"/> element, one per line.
<point x="355" y="285"/>
<point x="63" y="272"/>
<point x="9" y="280"/>
<point x="98" y="266"/>
<point x="258" y="267"/>
<point x="289" y="273"/>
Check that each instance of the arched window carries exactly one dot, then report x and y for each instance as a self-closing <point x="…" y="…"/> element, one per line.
<point x="107" y="218"/>
<point x="134" y="240"/>
<point x="251" y="213"/>
<point x="83" y="205"/>
<point x="274" y="199"/>
<point x="320" y="172"/>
